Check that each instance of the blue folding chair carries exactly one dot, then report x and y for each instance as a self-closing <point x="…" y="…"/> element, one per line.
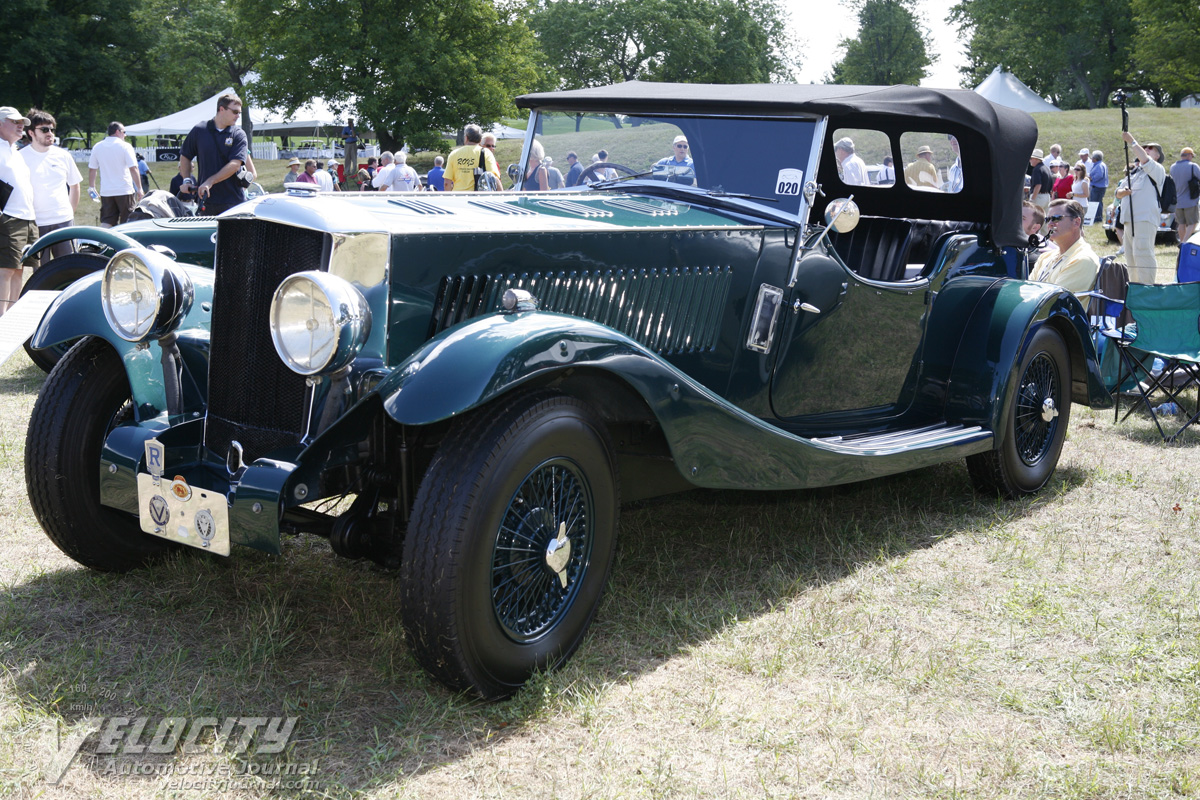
<point x="1167" y="320"/>
<point x="1187" y="268"/>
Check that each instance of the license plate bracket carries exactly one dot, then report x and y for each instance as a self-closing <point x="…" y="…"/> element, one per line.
<point x="173" y="510"/>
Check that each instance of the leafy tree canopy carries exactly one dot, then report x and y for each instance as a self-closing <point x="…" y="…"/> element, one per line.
<point x="1167" y="44"/>
<point x="890" y="47"/>
<point x="597" y="42"/>
<point x="1076" y="52"/>
<point x="87" y="62"/>
<point x="410" y="69"/>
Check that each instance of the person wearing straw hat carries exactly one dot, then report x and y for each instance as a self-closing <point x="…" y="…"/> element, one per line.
<point x="293" y="173"/>
<point x="922" y="173"/>
<point x="1141" y="208"/>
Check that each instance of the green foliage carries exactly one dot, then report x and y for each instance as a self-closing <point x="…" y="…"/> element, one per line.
<point x="1075" y="52"/>
<point x="1167" y="44"/>
<point x="203" y="46"/>
<point x="86" y="63"/>
<point x="889" y="49"/>
<point x="408" y="68"/>
<point x="596" y="42"/>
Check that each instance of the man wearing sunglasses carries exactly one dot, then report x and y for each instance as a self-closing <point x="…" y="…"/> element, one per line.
<point x="17" y="227"/>
<point x="55" y="179"/>
<point x="1074" y="264"/>
<point x="677" y="167"/>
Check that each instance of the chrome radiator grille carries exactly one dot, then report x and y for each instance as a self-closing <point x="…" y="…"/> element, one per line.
<point x="252" y="396"/>
<point x="666" y="310"/>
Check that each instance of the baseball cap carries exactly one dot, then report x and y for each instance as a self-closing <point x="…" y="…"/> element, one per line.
<point x="1187" y="151"/>
<point x="1084" y="152"/>
<point x="10" y="113"/>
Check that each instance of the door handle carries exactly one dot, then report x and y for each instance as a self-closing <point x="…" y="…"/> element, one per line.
<point x="809" y="307"/>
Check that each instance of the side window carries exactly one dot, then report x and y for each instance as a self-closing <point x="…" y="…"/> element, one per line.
<point x="864" y="157"/>
<point x="931" y="162"/>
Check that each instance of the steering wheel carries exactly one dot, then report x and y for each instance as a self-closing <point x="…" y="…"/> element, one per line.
<point x="590" y="172"/>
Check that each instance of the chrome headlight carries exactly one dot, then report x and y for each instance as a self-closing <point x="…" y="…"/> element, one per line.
<point x="319" y="322"/>
<point x="146" y="295"/>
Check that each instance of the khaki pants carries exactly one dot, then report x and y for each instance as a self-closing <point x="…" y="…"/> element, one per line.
<point x="1139" y="250"/>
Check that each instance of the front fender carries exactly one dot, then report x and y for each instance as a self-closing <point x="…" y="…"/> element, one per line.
<point x="466" y="366"/>
<point x="111" y="239"/>
<point x="994" y="342"/>
<point x="78" y="311"/>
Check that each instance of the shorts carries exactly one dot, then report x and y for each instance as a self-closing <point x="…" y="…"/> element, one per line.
<point x="1187" y="216"/>
<point x="55" y="250"/>
<point x="15" y="235"/>
<point x="115" y="210"/>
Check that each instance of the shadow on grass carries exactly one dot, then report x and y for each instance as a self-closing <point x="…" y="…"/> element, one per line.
<point x="317" y="637"/>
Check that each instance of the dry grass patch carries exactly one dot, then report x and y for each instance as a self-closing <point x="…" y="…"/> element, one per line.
<point x="903" y="637"/>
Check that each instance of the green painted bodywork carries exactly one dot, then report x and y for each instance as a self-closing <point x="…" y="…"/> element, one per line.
<point x="190" y="238"/>
<point x="659" y="305"/>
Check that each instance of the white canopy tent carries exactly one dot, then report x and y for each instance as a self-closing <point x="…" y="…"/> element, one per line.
<point x="1006" y="89"/>
<point x="314" y="119"/>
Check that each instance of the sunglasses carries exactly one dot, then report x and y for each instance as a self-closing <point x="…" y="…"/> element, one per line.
<point x="681" y="146"/>
<point x="1061" y="217"/>
<point x="45" y="128"/>
<point x="490" y="146"/>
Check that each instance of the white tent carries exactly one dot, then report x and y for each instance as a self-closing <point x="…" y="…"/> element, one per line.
<point x="308" y="119"/>
<point x="1006" y="89"/>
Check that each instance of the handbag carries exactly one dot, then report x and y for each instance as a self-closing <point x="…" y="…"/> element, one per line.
<point x="485" y="181"/>
<point x="1194" y="183"/>
<point x="6" y="191"/>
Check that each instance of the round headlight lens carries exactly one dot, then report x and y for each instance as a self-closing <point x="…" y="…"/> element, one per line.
<point x="144" y="294"/>
<point x="319" y="322"/>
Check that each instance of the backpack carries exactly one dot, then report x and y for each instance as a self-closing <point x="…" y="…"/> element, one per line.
<point x="1194" y="183"/>
<point x="485" y="181"/>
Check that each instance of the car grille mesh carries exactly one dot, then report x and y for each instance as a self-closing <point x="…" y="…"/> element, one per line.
<point x="252" y="396"/>
<point x="666" y="310"/>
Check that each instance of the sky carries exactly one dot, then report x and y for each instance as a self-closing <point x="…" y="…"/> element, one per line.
<point x="821" y="24"/>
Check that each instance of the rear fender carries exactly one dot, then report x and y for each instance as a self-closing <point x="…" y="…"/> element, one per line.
<point x="110" y="239"/>
<point x="994" y="341"/>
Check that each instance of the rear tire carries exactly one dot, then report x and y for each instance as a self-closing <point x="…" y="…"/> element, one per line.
<point x="1035" y="425"/>
<point x="83" y="399"/>
<point x="57" y="275"/>
<point x="510" y="544"/>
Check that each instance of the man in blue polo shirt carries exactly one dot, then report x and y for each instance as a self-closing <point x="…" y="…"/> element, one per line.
<point x="221" y="147"/>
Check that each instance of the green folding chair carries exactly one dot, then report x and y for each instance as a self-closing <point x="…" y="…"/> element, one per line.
<point x="1167" y="322"/>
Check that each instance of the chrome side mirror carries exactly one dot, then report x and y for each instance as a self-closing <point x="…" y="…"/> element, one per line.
<point x="842" y="214"/>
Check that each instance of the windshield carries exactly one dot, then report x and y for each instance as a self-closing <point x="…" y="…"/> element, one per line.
<point x="767" y="157"/>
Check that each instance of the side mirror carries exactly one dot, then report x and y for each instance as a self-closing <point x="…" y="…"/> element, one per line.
<point x="514" y="172"/>
<point x="842" y="215"/>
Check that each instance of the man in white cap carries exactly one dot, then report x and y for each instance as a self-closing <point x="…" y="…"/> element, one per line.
<point x="1141" y="209"/>
<point x="677" y="167"/>
<point x="17" y="226"/>
<point x="854" y="169"/>
<point x="1084" y="156"/>
<point x="1041" y="182"/>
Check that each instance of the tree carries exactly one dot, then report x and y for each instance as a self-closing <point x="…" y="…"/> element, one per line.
<point x="410" y="69"/>
<point x="1075" y="53"/>
<point x="203" y="46"/>
<point x="1165" y="46"/>
<point x="596" y="42"/>
<point x="85" y="61"/>
<point x="890" y="47"/>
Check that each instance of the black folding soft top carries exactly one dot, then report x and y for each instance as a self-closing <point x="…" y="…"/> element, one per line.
<point x="996" y="140"/>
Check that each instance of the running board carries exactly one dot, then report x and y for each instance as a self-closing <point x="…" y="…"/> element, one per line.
<point x="931" y="437"/>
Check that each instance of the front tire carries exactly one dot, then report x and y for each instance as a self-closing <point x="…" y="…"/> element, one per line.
<point x="1035" y="425"/>
<point x="55" y="276"/>
<point x="510" y="544"/>
<point x="83" y="399"/>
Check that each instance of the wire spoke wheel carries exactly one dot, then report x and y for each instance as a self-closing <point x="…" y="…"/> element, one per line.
<point x="542" y="549"/>
<point x="1037" y="409"/>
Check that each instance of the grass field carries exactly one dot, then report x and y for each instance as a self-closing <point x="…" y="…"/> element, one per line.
<point x="900" y="638"/>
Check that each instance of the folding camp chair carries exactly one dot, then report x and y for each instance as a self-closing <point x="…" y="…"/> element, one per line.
<point x="1167" y="320"/>
<point x="1187" y="269"/>
<point x="1106" y="313"/>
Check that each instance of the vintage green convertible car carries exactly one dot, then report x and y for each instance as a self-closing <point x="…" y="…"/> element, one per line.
<point x="480" y="378"/>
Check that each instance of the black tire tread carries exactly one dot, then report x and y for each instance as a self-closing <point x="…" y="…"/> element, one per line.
<point x="442" y="504"/>
<point x="58" y="478"/>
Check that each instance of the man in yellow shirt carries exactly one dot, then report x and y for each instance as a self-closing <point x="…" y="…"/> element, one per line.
<point x="922" y="173"/>
<point x="1074" y="264"/>
<point x="461" y="163"/>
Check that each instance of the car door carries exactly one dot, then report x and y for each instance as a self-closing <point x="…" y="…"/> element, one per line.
<point x="850" y="347"/>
